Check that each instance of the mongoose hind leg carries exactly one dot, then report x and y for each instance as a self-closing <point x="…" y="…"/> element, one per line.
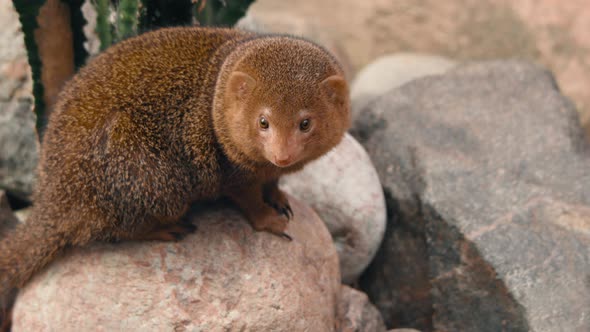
<point x="156" y="232"/>
<point x="167" y="228"/>
<point x="168" y="232"/>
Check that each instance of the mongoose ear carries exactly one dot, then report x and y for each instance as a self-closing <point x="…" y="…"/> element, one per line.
<point x="335" y="88"/>
<point x="240" y="85"/>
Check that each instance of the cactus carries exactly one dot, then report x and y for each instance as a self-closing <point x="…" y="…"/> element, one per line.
<point x="28" y="11"/>
<point x="103" y="27"/>
<point x="161" y="13"/>
<point x="220" y="12"/>
<point x="127" y="18"/>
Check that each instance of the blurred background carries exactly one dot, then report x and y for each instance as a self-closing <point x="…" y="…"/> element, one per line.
<point x="552" y="33"/>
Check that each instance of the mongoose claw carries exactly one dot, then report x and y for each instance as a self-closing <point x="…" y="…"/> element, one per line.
<point x="287" y="236"/>
<point x="285" y="213"/>
<point x="276" y="199"/>
<point x="184" y="230"/>
<point x="290" y="211"/>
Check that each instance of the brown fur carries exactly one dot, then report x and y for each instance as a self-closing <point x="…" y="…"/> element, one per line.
<point x="169" y="117"/>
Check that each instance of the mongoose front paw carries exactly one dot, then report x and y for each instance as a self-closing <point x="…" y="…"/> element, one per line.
<point x="273" y="224"/>
<point x="276" y="199"/>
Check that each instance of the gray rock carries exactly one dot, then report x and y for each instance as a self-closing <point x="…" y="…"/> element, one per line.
<point x="391" y="71"/>
<point x="18" y="147"/>
<point x="23" y="214"/>
<point x="357" y="312"/>
<point x="12" y="44"/>
<point x="487" y="180"/>
<point x="7" y="218"/>
<point x="344" y="189"/>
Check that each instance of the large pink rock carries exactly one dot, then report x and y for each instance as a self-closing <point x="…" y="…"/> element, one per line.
<point x="225" y="277"/>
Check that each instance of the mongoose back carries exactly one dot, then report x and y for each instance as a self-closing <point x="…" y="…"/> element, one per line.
<point x="170" y="117"/>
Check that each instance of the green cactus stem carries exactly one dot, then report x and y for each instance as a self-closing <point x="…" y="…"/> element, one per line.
<point x="103" y="26"/>
<point x="27" y="14"/>
<point x="127" y="18"/>
<point x="220" y="12"/>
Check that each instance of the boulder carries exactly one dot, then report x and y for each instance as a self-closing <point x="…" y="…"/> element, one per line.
<point x="8" y="220"/>
<point x="391" y="71"/>
<point x="12" y="42"/>
<point x="358" y="314"/>
<point x="19" y="148"/>
<point x="487" y="184"/>
<point x="344" y="189"/>
<point x="224" y="277"/>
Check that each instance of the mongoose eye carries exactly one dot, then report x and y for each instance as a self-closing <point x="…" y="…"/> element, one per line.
<point x="263" y="123"/>
<point x="305" y="125"/>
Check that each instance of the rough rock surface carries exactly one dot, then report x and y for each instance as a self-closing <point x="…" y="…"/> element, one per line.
<point x="487" y="182"/>
<point x="344" y="189"/>
<point x="358" y="314"/>
<point x="18" y="150"/>
<point x="18" y="146"/>
<point x="7" y="218"/>
<point x="225" y="277"/>
<point x="391" y="71"/>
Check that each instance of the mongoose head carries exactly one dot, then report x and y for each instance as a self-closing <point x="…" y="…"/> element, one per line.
<point x="287" y="103"/>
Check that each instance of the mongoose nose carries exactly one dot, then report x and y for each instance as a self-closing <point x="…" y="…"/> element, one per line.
<point x="282" y="161"/>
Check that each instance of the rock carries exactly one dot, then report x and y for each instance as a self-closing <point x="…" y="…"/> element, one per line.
<point x="344" y="189"/>
<point x="18" y="150"/>
<point x="391" y="71"/>
<point x="12" y="43"/>
<point x="23" y="214"/>
<point x="18" y="147"/>
<point x="358" y="314"/>
<point x="13" y="77"/>
<point x="283" y="22"/>
<point x="487" y="187"/>
<point x="225" y="277"/>
<point x="7" y="218"/>
<point x="403" y="330"/>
